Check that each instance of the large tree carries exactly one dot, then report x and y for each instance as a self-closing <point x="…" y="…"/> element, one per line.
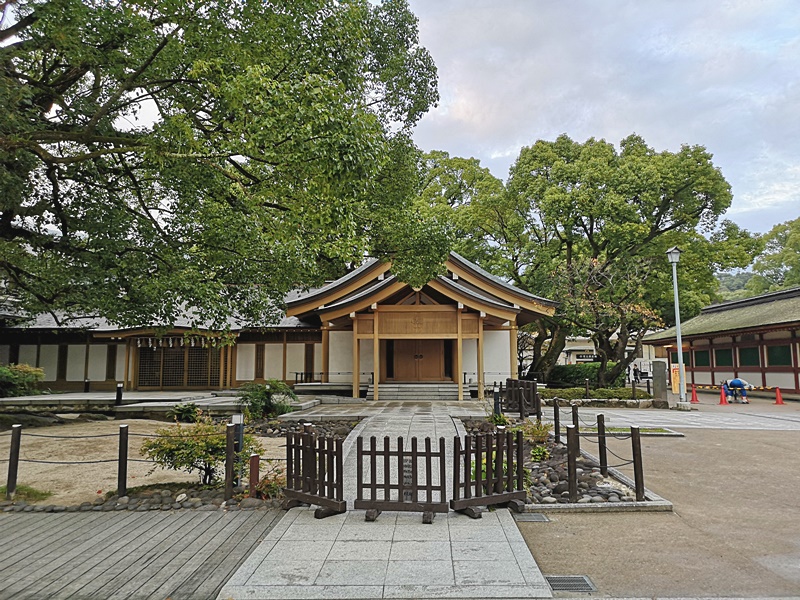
<point x="209" y="154"/>
<point x="777" y="267"/>
<point x="588" y="225"/>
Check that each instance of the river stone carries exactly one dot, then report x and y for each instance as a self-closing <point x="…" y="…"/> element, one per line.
<point x="181" y="498"/>
<point x="251" y="503"/>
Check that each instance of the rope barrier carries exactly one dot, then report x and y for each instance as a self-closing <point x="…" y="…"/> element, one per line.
<point x="625" y="464"/>
<point x="70" y="437"/>
<point x="64" y="462"/>
<point x="618" y="456"/>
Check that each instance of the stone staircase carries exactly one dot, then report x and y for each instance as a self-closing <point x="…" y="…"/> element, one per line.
<point x="415" y="391"/>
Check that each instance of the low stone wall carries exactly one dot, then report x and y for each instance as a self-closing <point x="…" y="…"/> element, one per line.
<point x="604" y="402"/>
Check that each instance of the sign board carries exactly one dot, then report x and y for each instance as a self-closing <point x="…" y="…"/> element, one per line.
<point x="676" y="381"/>
<point x="587" y="357"/>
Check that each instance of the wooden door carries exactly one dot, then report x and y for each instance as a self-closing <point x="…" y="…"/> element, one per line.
<point x="418" y="360"/>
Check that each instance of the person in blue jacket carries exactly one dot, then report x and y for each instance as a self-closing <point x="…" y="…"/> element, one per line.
<point x="742" y="386"/>
<point x="727" y="391"/>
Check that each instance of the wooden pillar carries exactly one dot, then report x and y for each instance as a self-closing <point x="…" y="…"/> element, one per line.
<point x="126" y="371"/>
<point x="459" y="357"/>
<point x="356" y="358"/>
<point x="325" y="353"/>
<point x="376" y="354"/>
<point x="513" y="342"/>
<point x="283" y="371"/>
<point x="480" y="356"/>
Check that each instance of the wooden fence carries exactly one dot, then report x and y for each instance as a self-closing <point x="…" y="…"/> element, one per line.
<point x="314" y="473"/>
<point x="401" y="488"/>
<point x="522" y="397"/>
<point x="488" y="470"/>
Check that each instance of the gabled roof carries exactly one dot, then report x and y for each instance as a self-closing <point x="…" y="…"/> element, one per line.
<point x="766" y="311"/>
<point x="467" y="284"/>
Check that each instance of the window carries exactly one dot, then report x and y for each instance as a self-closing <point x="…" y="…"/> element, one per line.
<point x="749" y="357"/>
<point x="779" y="356"/>
<point x="702" y="358"/>
<point x="723" y="357"/>
<point x="674" y="359"/>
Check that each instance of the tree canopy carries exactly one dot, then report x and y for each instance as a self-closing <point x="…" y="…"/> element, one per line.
<point x="777" y="267"/>
<point x="588" y="225"/>
<point x="156" y="156"/>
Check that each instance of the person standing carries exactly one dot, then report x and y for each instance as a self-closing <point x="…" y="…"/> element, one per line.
<point x="636" y="373"/>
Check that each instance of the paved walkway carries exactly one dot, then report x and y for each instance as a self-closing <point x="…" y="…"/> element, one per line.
<point x="396" y="556"/>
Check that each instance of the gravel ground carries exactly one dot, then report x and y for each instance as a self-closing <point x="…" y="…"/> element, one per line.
<point x="75" y="484"/>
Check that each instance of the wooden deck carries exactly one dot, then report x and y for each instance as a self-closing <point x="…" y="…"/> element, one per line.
<point x="131" y="555"/>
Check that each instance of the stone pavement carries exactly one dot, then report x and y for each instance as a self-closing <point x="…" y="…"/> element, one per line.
<point x="396" y="556"/>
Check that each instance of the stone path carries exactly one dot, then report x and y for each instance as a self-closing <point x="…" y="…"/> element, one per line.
<point x="396" y="556"/>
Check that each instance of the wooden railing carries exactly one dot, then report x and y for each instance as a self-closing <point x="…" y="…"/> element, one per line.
<point x="522" y="397"/>
<point x="314" y="473"/>
<point x="488" y="470"/>
<point x="401" y="488"/>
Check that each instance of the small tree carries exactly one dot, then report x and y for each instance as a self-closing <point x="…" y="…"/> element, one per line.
<point x="196" y="447"/>
<point x="262" y="400"/>
<point x="19" y="380"/>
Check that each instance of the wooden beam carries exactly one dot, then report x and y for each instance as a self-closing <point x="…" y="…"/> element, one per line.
<point x="283" y="371"/>
<point x="356" y="364"/>
<point x="325" y="353"/>
<point x="376" y="356"/>
<point x="480" y="358"/>
<point x="513" y="341"/>
<point x="459" y="359"/>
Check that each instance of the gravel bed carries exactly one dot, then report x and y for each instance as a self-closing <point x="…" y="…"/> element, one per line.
<point x="274" y="428"/>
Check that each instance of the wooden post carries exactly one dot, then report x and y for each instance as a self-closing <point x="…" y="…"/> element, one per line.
<point x="601" y="444"/>
<point x="576" y="425"/>
<point x="633" y="389"/>
<point x="586" y="383"/>
<point x="573" y="450"/>
<point x="557" y="420"/>
<point x="514" y="367"/>
<point x="459" y="355"/>
<point x="13" y="461"/>
<point x="118" y="397"/>
<point x="356" y="359"/>
<point x="230" y="440"/>
<point x="122" y="467"/>
<point x="638" y="473"/>
<point x="481" y="383"/>
<point x="254" y="478"/>
<point x="376" y="355"/>
<point x="325" y="353"/>
<point x="537" y="402"/>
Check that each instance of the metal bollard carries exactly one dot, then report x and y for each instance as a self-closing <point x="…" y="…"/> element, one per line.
<point x="118" y="398"/>
<point x="122" y="465"/>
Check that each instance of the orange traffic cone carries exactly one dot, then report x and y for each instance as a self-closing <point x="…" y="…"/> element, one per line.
<point x="778" y="397"/>
<point x="722" y="398"/>
<point x="694" y="396"/>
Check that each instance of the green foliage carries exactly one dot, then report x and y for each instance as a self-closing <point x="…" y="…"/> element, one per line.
<point x="261" y="400"/>
<point x="535" y="430"/>
<point x="26" y="493"/>
<point x="197" y="447"/>
<point x="539" y="453"/>
<point x="273" y="481"/>
<point x="579" y="393"/>
<point x="19" y="380"/>
<point x="166" y="155"/>
<point x="498" y="419"/>
<point x="577" y="374"/>
<point x="778" y="266"/>
<point x="185" y="412"/>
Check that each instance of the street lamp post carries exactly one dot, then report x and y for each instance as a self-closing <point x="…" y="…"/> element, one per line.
<point x="674" y="255"/>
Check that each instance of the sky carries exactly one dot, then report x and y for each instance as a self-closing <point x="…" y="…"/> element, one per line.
<point x="724" y="74"/>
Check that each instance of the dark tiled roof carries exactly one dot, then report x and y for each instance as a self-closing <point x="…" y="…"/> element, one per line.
<point x="776" y="308"/>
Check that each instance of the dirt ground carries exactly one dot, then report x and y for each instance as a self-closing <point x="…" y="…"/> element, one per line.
<point x="73" y="484"/>
<point x="735" y="529"/>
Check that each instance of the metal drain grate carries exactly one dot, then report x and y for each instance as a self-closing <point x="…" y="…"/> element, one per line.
<point x="570" y="583"/>
<point x="531" y="517"/>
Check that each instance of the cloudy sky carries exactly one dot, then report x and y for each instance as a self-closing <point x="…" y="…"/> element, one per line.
<point x="724" y="74"/>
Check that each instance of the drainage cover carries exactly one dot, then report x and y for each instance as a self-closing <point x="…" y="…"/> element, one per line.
<point x="531" y="517"/>
<point x="570" y="583"/>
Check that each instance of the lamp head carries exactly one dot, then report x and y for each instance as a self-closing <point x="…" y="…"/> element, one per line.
<point x="674" y="255"/>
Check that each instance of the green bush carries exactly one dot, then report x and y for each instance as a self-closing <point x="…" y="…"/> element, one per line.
<point x="579" y="393"/>
<point x="186" y="412"/>
<point x="196" y="447"/>
<point x="261" y="400"/>
<point x="579" y="373"/>
<point x="19" y="380"/>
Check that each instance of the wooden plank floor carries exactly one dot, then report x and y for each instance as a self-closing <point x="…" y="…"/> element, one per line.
<point x="125" y="556"/>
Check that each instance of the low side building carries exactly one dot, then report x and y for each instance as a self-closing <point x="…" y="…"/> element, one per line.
<point x="756" y="339"/>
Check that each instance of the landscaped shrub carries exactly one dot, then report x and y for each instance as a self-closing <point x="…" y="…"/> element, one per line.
<point x="186" y="412"/>
<point x="273" y="481"/>
<point x="599" y="393"/>
<point x="19" y="380"/>
<point x="268" y="399"/>
<point x="197" y="447"/>
<point x="579" y="373"/>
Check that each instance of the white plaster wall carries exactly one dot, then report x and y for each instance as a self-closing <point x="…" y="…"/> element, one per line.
<point x="273" y="355"/>
<point x="703" y="378"/>
<point x="27" y="355"/>
<point x="469" y="359"/>
<point x="781" y="380"/>
<point x="778" y="335"/>
<point x="245" y="362"/>
<point x="98" y="358"/>
<point x="5" y="354"/>
<point x="366" y="361"/>
<point x="341" y="356"/>
<point x="295" y="360"/>
<point x="76" y="362"/>
<point x="722" y="375"/>
<point x="48" y="360"/>
<point x="496" y="356"/>
<point x="119" y="370"/>
<point x="751" y="377"/>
